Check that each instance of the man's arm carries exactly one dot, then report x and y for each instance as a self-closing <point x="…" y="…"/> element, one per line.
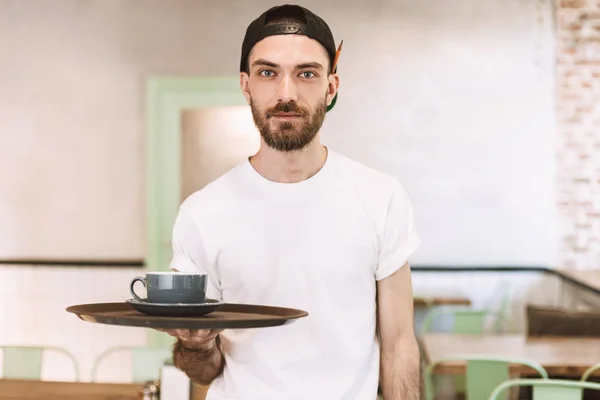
<point x="400" y="358"/>
<point x="197" y="353"/>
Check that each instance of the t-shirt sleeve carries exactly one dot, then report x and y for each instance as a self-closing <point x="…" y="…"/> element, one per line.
<point x="400" y="238"/>
<point x="190" y="253"/>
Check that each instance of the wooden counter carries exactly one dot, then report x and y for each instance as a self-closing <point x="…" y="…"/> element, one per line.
<point x="12" y="389"/>
<point x="589" y="277"/>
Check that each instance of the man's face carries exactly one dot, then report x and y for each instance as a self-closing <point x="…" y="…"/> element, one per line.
<point x="288" y="89"/>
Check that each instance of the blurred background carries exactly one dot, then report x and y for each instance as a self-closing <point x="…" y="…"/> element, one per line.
<point x="113" y="111"/>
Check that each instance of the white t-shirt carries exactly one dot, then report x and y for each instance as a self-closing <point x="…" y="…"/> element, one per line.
<point x="318" y="245"/>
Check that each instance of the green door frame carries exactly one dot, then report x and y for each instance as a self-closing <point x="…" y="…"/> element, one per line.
<point x="166" y="99"/>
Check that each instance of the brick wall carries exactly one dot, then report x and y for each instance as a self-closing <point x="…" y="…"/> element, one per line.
<point x="578" y="112"/>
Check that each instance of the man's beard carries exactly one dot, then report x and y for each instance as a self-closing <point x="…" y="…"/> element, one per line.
<point x="289" y="135"/>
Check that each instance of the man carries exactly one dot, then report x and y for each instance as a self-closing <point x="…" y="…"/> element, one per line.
<point x="298" y="225"/>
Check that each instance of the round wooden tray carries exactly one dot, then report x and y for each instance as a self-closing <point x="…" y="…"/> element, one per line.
<point x="228" y="316"/>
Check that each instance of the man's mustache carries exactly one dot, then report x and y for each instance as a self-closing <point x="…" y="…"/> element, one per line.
<point x="289" y="107"/>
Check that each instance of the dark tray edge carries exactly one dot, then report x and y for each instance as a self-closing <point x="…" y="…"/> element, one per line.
<point x="187" y="322"/>
<point x="191" y="324"/>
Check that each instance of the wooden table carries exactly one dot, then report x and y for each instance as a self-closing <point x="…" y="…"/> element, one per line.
<point x="560" y="356"/>
<point x="12" y="389"/>
<point x="441" y="301"/>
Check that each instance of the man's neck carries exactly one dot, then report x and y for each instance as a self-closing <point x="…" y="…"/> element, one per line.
<point x="289" y="167"/>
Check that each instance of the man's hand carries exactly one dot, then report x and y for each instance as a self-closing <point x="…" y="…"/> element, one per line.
<point x="197" y="353"/>
<point x="193" y="338"/>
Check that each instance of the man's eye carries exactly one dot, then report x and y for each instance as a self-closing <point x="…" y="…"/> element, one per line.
<point x="266" y="72"/>
<point x="307" y="74"/>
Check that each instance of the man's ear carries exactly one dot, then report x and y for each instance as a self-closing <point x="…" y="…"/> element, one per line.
<point x="244" y="85"/>
<point x="332" y="88"/>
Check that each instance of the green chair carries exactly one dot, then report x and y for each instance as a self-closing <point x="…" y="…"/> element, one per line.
<point x="548" y="389"/>
<point x="483" y="374"/>
<point x="146" y="362"/>
<point x="590" y="371"/>
<point x="25" y="362"/>
<point x="465" y="320"/>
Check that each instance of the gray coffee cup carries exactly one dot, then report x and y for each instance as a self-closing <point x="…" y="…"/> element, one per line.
<point x="172" y="287"/>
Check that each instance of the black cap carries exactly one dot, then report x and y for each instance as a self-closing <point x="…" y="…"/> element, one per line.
<point x="312" y="26"/>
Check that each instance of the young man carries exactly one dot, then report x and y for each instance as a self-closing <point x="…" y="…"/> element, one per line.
<point x="298" y="225"/>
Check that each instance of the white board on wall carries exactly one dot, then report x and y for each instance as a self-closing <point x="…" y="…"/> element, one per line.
<point x="462" y="112"/>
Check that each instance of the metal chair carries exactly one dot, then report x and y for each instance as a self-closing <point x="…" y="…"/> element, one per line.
<point x="548" y="389"/>
<point x="483" y="374"/>
<point x="146" y="361"/>
<point x="25" y="362"/>
<point x="590" y="371"/>
<point x="465" y="320"/>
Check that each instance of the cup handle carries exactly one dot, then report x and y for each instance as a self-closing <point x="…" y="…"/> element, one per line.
<point x="132" y="291"/>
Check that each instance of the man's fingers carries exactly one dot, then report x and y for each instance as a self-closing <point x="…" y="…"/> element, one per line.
<point x="199" y="334"/>
<point x="213" y="333"/>
<point x="188" y="333"/>
<point x="184" y="333"/>
<point x="202" y="336"/>
<point x="178" y="333"/>
<point x="192" y="335"/>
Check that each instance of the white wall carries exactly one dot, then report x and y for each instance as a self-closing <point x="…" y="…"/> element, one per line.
<point x="454" y="98"/>
<point x="214" y="140"/>
<point x="458" y="103"/>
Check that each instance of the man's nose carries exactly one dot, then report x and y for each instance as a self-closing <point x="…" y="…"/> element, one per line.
<point x="287" y="90"/>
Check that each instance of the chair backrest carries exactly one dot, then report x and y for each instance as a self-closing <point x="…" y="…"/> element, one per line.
<point x="483" y="373"/>
<point x="590" y="371"/>
<point x="25" y="362"/>
<point x="548" y="389"/>
<point x="146" y="362"/>
<point x="465" y="320"/>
